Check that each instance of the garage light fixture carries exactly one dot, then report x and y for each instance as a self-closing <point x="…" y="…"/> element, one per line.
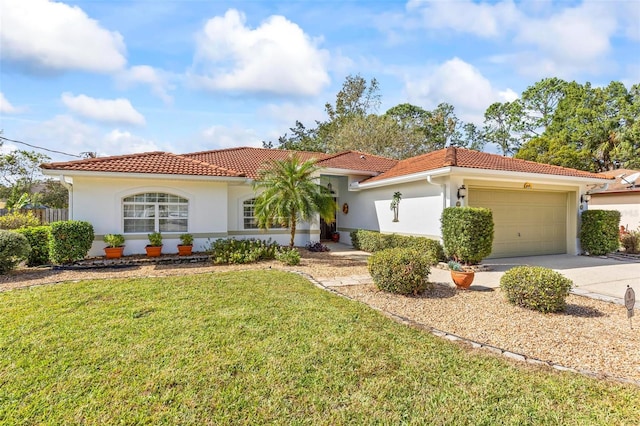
<point x="585" y="198"/>
<point x="462" y="192"/>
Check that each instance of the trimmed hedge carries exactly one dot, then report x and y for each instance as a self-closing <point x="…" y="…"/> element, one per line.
<point x="600" y="231"/>
<point x="467" y="233"/>
<point x="400" y="270"/>
<point x="14" y="248"/>
<point x="373" y="241"/>
<point x="38" y="237"/>
<point x="230" y="250"/>
<point x="535" y="287"/>
<point x="70" y="241"/>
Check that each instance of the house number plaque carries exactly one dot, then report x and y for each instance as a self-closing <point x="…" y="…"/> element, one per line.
<point x="629" y="302"/>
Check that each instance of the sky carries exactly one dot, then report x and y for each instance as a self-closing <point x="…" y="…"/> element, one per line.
<point x="118" y="76"/>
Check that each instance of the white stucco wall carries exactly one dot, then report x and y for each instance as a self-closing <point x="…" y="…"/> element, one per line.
<point x="99" y="201"/>
<point x="627" y="204"/>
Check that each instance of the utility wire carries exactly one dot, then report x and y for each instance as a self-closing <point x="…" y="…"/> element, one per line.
<point x="39" y="147"/>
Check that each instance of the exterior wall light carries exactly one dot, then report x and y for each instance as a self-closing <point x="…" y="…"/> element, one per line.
<point x="585" y="198"/>
<point x="462" y="192"/>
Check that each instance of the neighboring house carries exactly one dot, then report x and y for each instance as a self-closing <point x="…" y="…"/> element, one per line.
<point x="623" y="195"/>
<point x="536" y="206"/>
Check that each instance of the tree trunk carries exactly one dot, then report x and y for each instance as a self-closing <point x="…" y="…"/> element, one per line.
<point x="293" y="230"/>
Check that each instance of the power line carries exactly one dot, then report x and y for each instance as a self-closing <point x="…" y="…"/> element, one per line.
<point x="39" y="147"/>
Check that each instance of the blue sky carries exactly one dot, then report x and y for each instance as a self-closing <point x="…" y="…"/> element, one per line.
<point x="118" y="76"/>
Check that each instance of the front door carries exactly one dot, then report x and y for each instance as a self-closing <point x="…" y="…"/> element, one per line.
<point x="326" y="229"/>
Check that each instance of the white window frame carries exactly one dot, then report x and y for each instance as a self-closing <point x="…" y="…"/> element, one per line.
<point x="244" y="217"/>
<point x="159" y="211"/>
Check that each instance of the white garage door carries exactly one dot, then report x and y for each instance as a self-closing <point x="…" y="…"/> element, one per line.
<point x="527" y="223"/>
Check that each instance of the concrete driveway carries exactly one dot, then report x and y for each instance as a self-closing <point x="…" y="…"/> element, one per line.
<point x="590" y="275"/>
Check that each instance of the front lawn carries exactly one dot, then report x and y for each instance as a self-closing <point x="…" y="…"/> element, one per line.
<point x="260" y="347"/>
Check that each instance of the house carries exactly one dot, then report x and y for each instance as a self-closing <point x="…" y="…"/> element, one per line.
<point x="536" y="206"/>
<point x="623" y="194"/>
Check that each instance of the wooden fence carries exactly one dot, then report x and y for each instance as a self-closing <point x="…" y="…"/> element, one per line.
<point x="44" y="215"/>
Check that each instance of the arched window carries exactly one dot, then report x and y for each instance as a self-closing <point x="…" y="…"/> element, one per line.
<point x="155" y="212"/>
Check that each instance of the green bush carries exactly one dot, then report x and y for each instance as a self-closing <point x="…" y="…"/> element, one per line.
<point x="600" y="232"/>
<point x="17" y="219"/>
<point x="467" y="233"/>
<point x="631" y="242"/>
<point x="38" y="237"/>
<point x="14" y="248"/>
<point x="230" y="250"/>
<point x="113" y="240"/>
<point x="373" y="241"/>
<point x="70" y="241"/>
<point x="535" y="287"/>
<point x="400" y="270"/>
<point x="288" y="256"/>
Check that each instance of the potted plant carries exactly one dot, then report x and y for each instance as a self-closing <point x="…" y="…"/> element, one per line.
<point x="335" y="236"/>
<point x="186" y="245"/>
<point x="154" y="248"/>
<point x="115" y="245"/>
<point x="460" y="277"/>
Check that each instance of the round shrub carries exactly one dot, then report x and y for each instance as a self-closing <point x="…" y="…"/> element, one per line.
<point x="14" y="248"/>
<point x="467" y="233"/>
<point x="70" y="240"/>
<point x="38" y="237"/>
<point x="400" y="270"/>
<point x="288" y="256"/>
<point x="599" y="232"/>
<point x="536" y="287"/>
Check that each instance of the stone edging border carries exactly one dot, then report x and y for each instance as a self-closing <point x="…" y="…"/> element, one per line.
<point x="473" y="344"/>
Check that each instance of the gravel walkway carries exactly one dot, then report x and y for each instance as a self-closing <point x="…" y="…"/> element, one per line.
<point x="590" y="335"/>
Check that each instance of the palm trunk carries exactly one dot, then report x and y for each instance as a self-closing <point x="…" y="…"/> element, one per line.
<point x="293" y="229"/>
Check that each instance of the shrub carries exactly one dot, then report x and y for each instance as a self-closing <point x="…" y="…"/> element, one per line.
<point x="230" y="250"/>
<point x="535" y="287"/>
<point x="14" y="248"/>
<point x="113" y="240"/>
<point x="599" y="233"/>
<point x="316" y="246"/>
<point x="17" y="219"/>
<point x="467" y="233"/>
<point x="400" y="270"/>
<point x="373" y="241"/>
<point x="70" y="241"/>
<point x="38" y="237"/>
<point x="288" y="256"/>
<point x="631" y="241"/>
<point x="155" y="239"/>
<point x="186" y="239"/>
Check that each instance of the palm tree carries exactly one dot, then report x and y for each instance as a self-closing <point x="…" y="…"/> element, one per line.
<point x="289" y="193"/>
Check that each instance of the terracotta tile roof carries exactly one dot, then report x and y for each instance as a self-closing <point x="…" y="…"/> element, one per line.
<point x="620" y="185"/>
<point x="354" y="160"/>
<point x="148" y="162"/>
<point x="460" y="157"/>
<point x="249" y="160"/>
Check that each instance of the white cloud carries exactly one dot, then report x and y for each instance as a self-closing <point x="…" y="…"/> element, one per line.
<point x="457" y="83"/>
<point x="117" y="142"/>
<point x="482" y="19"/>
<point x="6" y="107"/>
<point x="105" y="110"/>
<point x="157" y="80"/>
<point x="53" y="36"/>
<point x="276" y="57"/>
<point x="229" y="137"/>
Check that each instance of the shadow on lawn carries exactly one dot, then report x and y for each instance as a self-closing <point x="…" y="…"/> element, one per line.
<point x="582" y="311"/>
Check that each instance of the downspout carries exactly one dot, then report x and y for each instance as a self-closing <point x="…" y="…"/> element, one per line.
<point x="69" y="187"/>
<point x="443" y="189"/>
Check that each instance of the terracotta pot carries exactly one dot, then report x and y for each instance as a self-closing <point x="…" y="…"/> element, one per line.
<point x="462" y="279"/>
<point x="335" y="237"/>
<point x="113" y="252"/>
<point x="153" y="251"/>
<point x="185" y="250"/>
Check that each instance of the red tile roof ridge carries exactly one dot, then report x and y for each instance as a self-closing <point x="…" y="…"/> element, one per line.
<point x="101" y="159"/>
<point x="352" y="151"/>
<point x="205" y="164"/>
<point x="240" y="148"/>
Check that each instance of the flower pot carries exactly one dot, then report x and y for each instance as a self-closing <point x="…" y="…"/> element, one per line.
<point x="185" y="250"/>
<point x="462" y="279"/>
<point x="153" y="251"/>
<point x="335" y="237"/>
<point x="113" y="252"/>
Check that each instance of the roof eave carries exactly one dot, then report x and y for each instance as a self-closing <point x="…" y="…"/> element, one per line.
<point x="511" y="175"/>
<point x="357" y="186"/>
<point x="127" y="175"/>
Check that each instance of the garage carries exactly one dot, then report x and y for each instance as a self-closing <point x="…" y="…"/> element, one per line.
<point x="527" y="223"/>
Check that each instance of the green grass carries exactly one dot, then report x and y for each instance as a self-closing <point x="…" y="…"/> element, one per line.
<point x="260" y="347"/>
